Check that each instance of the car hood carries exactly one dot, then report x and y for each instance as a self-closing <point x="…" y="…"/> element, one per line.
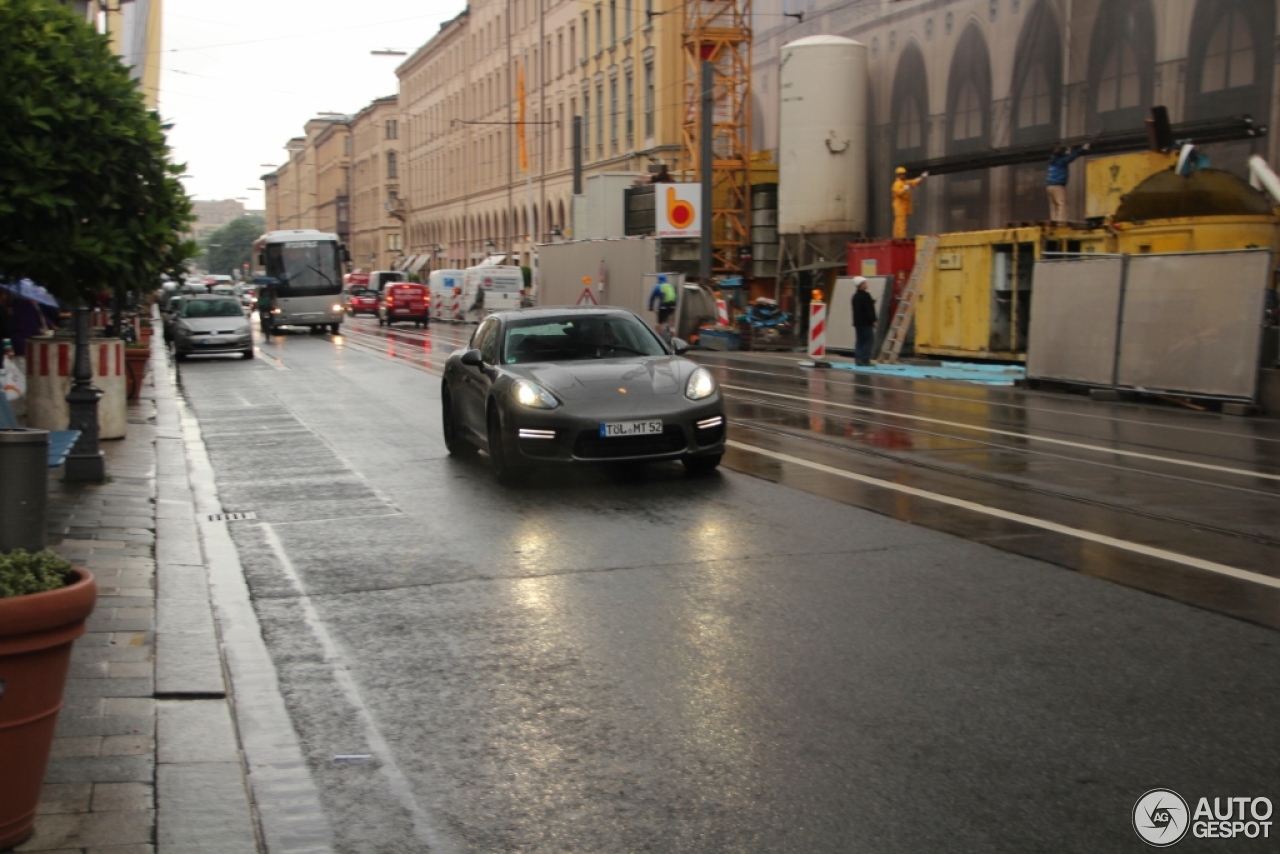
<point x="214" y="324"/>
<point x="643" y="375"/>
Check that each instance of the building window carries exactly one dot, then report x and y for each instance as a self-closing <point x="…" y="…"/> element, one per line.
<point x="573" y="45"/>
<point x="627" y="14"/>
<point x="910" y="124"/>
<point x="1033" y="100"/>
<point x="586" y="35"/>
<point x="560" y="53"/>
<point x="393" y="242"/>
<point x="1228" y="59"/>
<point x="613" y="114"/>
<point x="966" y="122"/>
<point x="393" y="132"/>
<point x="1119" y="85"/>
<point x="628" y="111"/>
<point x="392" y="170"/>
<point x="586" y="124"/>
<point x="648" y="99"/>
<point x="600" y="119"/>
<point x="613" y="22"/>
<point x="648" y="13"/>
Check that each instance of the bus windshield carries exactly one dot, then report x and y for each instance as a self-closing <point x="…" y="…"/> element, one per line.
<point x="304" y="268"/>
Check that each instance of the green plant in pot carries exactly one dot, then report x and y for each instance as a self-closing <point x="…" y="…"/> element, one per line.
<point x="44" y="602"/>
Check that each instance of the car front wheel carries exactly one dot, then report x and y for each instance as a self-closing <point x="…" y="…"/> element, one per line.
<point x="503" y="470"/>
<point x="454" y="441"/>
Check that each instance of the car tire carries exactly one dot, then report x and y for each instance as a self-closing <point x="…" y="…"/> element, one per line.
<point x="248" y="354"/>
<point x="702" y="465"/>
<point x="454" y="441"/>
<point x="505" y="473"/>
<point x="179" y="356"/>
<point x="335" y="328"/>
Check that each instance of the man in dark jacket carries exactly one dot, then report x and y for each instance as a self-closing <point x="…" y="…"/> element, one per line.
<point x="1055" y="180"/>
<point x="864" y="321"/>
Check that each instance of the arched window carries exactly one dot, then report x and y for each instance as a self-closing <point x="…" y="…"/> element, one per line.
<point x="908" y="132"/>
<point x="967" y="114"/>
<point x="968" y="130"/>
<point x="1036" y="89"/>
<point x="1121" y="66"/>
<point x="1228" y="60"/>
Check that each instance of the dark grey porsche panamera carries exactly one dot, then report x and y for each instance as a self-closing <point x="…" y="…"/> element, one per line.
<point x="547" y="386"/>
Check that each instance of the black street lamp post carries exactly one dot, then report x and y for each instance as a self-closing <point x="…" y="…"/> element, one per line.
<point x="85" y="462"/>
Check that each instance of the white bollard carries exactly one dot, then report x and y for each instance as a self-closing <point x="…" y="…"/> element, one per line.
<point x="722" y="313"/>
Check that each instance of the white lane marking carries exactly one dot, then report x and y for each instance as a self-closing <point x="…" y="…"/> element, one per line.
<point x="1023" y="407"/>
<point x="423" y="826"/>
<point x="1103" y="539"/>
<point x="998" y="432"/>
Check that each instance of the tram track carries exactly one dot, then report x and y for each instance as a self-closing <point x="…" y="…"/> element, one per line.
<point x="1191" y="556"/>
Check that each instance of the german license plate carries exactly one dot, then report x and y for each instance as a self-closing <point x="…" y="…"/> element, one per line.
<point x="402" y="311"/>
<point x="610" y="429"/>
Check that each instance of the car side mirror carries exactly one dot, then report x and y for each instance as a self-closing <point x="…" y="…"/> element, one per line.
<point x="679" y="346"/>
<point x="472" y="358"/>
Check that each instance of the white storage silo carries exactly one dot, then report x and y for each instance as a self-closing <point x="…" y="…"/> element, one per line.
<point x="822" y="144"/>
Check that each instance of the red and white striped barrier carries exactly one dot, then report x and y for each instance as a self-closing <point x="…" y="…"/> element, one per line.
<point x="817" y="330"/>
<point x="722" y="313"/>
<point x="455" y="307"/>
<point x="49" y="365"/>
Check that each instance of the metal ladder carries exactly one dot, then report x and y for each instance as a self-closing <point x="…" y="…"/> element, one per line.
<point x="891" y="349"/>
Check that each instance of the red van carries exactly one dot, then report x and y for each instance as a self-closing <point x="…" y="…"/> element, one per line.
<point x="404" y="301"/>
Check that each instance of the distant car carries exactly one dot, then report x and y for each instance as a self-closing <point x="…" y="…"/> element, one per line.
<point x="249" y="297"/>
<point x="545" y="386"/>
<point x="169" y="315"/>
<point x="404" y="301"/>
<point x="211" y="325"/>
<point x="362" y="300"/>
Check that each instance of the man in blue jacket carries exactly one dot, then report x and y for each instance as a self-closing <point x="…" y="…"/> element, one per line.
<point x="1055" y="180"/>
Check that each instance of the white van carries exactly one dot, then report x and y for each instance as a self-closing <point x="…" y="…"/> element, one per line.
<point x="501" y="285"/>
<point x="378" y="279"/>
<point x="441" y="284"/>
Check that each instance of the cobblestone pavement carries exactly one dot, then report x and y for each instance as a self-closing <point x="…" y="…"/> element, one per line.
<point x="145" y="758"/>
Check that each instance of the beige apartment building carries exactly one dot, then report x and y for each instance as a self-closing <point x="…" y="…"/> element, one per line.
<point x="377" y="212"/>
<point x="609" y="61"/>
<point x="333" y="179"/>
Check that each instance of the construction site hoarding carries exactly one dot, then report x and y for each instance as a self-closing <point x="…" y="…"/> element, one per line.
<point x="604" y="272"/>
<point x="1193" y="322"/>
<point x="1072" y="336"/>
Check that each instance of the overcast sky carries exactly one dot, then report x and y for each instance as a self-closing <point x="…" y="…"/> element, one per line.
<point x="240" y="77"/>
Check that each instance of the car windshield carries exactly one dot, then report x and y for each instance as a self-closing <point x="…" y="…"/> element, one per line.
<point x="363" y="292"/>
<point x="211" y="308"/>
<point x="587" y="336"/>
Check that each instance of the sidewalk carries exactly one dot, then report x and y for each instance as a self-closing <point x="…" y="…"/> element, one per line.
<point x="146" y="757"/>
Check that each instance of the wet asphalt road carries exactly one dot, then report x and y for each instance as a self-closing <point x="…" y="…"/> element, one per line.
<point x="605" y="662"/>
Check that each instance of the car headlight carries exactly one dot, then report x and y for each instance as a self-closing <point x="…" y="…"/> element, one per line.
<point x="336" y="307"/>
<point x="533" y="395"/>
<point x="701" y="384"/>
<point x="243" y="330"/>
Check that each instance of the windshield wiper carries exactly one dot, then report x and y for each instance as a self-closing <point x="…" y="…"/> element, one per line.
<point x="321" y="273"/>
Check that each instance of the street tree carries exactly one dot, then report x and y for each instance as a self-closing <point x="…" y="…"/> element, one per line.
<point x="89" y="198"/>
<point x="231" y="247"/>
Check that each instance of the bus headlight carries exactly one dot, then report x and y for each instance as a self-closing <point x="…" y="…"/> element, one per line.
<point x="336" y="308"/>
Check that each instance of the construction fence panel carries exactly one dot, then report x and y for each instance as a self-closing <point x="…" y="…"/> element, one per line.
<point x="616" y="268"/>
<point x="1074" y="305"/>
<point x="1193" y="322"/>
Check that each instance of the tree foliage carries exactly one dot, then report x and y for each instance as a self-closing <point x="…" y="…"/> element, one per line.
<point x="88" y="196"/>
<point x="232" y="245"/>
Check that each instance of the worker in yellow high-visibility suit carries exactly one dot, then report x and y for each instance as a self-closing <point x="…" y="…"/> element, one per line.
<point x="902" y="206"/>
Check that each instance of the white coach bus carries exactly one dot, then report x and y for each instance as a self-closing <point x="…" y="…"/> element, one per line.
<point x="305" y="269"/>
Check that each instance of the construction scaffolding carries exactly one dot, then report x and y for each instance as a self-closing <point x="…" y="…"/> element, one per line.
<point x="719" y="32"/>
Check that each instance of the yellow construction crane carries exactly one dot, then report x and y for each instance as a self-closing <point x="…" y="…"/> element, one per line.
<point x="719" y="31"/>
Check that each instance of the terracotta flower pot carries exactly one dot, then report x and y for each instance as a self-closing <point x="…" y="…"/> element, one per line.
<point x="36" y="633"/>
<point x="136" y="360"/>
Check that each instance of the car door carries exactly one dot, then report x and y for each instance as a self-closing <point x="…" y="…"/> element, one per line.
<point x="476" y="379"/>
